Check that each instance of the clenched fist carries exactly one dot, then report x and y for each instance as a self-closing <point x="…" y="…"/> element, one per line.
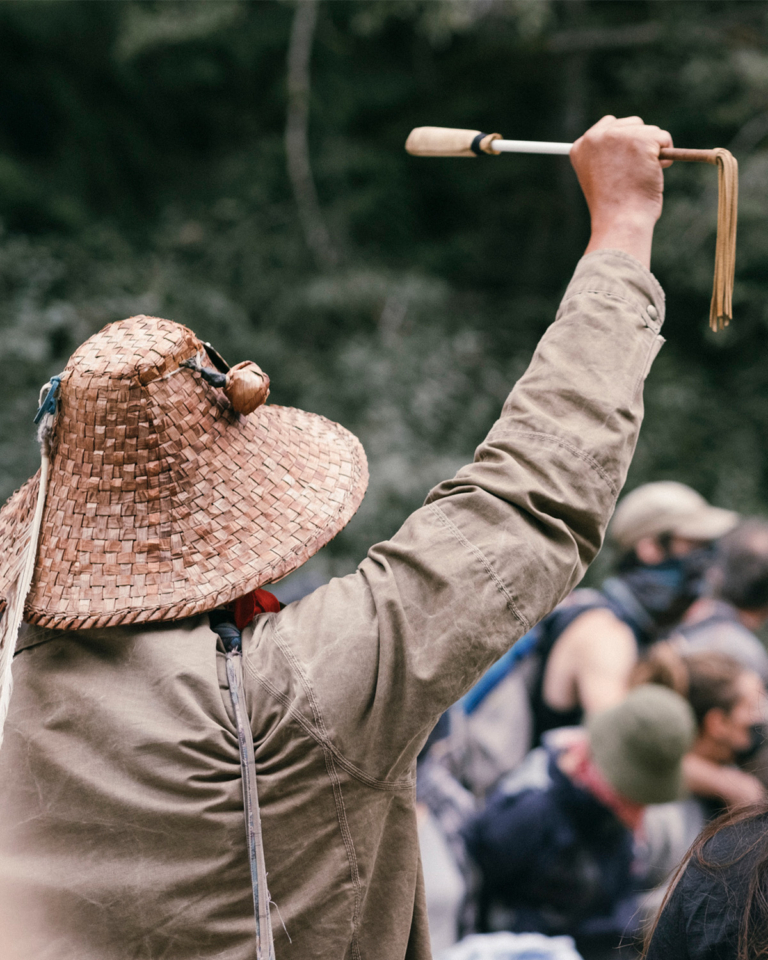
<point x="618" y="166"/>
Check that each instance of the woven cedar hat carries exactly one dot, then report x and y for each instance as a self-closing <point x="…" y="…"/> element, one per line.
<point x="162" y="500"/>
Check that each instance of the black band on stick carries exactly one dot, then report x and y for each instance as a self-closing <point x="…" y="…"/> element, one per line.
<point x="475" y="145"/>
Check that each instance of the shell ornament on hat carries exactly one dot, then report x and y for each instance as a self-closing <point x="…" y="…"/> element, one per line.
<point x="172" y="488"/>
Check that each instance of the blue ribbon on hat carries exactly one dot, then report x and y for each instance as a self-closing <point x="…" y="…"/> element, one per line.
<point x="49" y="405"/>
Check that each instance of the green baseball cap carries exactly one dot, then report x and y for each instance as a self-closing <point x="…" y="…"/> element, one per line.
<point x="639" y="744"/>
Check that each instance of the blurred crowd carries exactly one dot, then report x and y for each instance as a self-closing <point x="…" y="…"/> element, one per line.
<point x="560" y="795"/>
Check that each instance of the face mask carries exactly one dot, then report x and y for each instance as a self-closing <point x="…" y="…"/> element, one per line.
<point x="756" y="740"/>
<point x="667" y="589"/>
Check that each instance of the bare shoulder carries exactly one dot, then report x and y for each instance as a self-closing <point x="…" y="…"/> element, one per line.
<point x="596" y="630"/>
<point x="596" y="645"/>
<point x="590" y="662"/>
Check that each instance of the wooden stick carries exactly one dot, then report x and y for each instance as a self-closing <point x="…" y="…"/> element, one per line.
<point x="681" y="153"/>
<point x="447" y="142"/>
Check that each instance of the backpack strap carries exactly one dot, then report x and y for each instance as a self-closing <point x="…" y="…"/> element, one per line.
<point x="231" y="638"/>
<point x="499" y="671"/>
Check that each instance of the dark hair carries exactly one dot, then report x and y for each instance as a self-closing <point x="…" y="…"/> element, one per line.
<point x="741" y="570"/>
<point x="707" y="679"/>
<point x="753" y="928"/>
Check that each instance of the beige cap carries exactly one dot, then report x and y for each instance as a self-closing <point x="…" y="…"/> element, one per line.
<point x="668" y="507"/>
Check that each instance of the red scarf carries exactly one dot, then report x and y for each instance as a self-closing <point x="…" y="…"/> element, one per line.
<point x="252" y="604"/>
<point x="588" y="775"/>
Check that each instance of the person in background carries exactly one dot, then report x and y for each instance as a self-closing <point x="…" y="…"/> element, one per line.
<point x="726" y="620"/>
<point x="737" y="605"/>
<point x="588" y="646"/>
<point x="728" y="701"/>
<point x="579" y="658"/>
<point x="718" y="905"/>
<point x="443" y="805"/>
<point x="444" y="883"/>
<point x="554" y="844"/>
<point x="121" y="797"/>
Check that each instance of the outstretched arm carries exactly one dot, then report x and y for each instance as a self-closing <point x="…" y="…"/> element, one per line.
<point x="733" y="786"/>
<point x="373" y="659"/>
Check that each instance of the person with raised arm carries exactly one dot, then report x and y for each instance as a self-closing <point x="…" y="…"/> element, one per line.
<point x="151" y="669"/>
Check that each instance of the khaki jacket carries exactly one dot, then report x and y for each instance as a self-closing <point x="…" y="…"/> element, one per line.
<point x="121" y="824"/>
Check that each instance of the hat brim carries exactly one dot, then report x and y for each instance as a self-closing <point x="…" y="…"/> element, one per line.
<point x="637" y="784"/>
<point x="709" y="523"/>
<point x="647" y="775"/>
<point x="251" y="499"/>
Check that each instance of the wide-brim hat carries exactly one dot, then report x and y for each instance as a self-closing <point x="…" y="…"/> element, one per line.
<point x="668" y="507"/>
<point x="639" y="744"/>
<point x="163" y="501"/>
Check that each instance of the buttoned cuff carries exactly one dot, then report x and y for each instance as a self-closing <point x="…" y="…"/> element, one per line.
<point x="614" y="273"/>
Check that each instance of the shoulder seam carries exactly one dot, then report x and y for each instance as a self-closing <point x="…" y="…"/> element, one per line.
<point x="333" y="776"/>
<point x="387" y="786"/>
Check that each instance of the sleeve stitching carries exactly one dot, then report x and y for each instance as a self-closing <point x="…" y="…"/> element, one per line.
<point x="338" y="795"/>
<point x="589" y="291"/>
<point x="625" y="258"/>
<point x="319" y="733"/>
<point x="454" y="530"/>
<point x="633" y="304"/>
<point x="560" y="442"/>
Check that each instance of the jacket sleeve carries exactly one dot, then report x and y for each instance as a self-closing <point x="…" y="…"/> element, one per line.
<point x="383" y="652"/>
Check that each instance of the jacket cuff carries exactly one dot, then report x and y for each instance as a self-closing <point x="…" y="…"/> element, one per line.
<point x="615" y="273"/>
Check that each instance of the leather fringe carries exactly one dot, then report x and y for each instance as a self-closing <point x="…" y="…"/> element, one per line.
<point x="721" y="308"/>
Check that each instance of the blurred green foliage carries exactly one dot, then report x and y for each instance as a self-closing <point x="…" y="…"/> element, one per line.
<point x="143" y="170"/>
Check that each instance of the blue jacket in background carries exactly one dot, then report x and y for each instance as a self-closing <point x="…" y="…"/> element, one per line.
<point x="553" y="859"/>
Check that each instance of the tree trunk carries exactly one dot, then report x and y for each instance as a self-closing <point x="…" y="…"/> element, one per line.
<point x="296" y="139"/>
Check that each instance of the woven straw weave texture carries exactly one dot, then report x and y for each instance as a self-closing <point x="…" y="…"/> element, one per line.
<point x="163" y="501"/>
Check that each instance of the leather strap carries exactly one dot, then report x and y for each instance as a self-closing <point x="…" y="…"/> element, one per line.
<point x="721" y="308"/>
<point x="265" y="947"/>
<point x="475" y="145"/>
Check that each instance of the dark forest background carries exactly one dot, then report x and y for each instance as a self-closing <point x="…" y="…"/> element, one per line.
<point x="239" y="167"/>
